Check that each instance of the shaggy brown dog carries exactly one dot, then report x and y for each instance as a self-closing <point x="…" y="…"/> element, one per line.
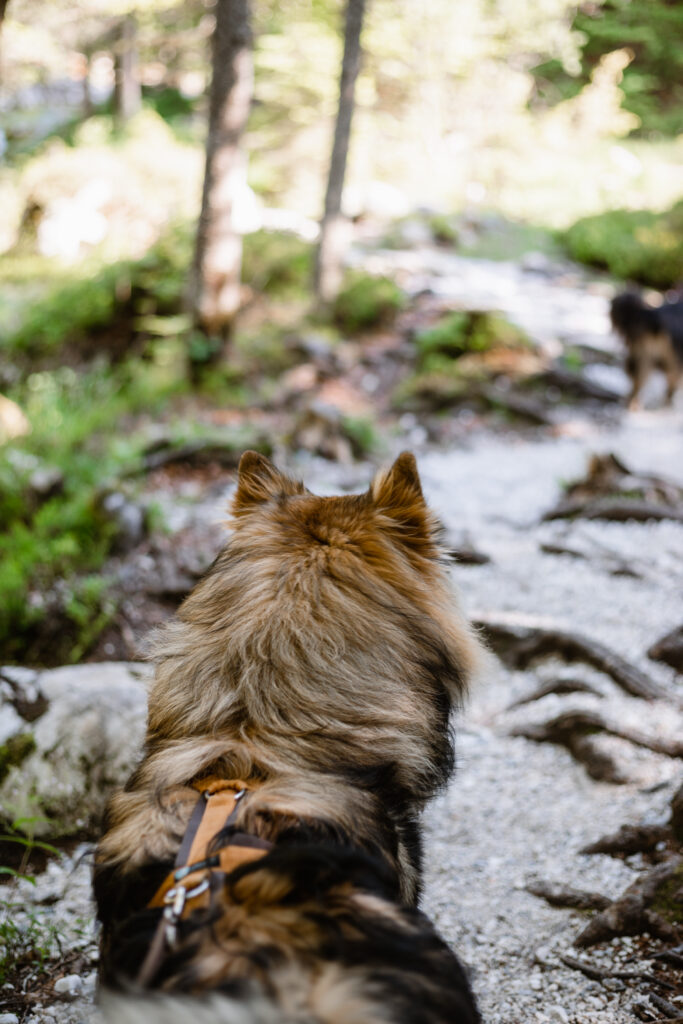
<point x="653" y="338"/>
<point x="317" y="662"/>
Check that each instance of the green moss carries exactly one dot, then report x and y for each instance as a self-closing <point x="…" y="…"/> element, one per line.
<point x="668" y="901"/>
<point x="444" y="229"/>
<point x="14" y="751"/>
<point x="464" y="332"/>
<point x="637" y="245"/>
<point x="366" y="301"/>
<point x="277" y="263"/>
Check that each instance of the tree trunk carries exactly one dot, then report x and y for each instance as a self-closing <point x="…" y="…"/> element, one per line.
<point x="215" y="279"/>
<point x="127" y="91"/>
<point x="3" y="8"/>
<point x="333" y="233"/>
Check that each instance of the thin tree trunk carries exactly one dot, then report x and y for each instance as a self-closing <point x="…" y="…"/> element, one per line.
<point x="127" y="90"/>
<point x="3" y="8"/>
<point x="215" y="279"/>
<point x="328" y="266"/>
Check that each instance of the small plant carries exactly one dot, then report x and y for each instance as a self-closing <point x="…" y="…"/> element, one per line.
<point x="362" y="433"/>
<point x="33" y="942"/>
<point x="366" y="301"/>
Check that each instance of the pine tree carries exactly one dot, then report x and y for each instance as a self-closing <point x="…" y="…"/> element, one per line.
<point x="328" y="266"/>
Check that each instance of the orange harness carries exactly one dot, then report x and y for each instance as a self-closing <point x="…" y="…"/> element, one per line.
<point x="187" y="886"/>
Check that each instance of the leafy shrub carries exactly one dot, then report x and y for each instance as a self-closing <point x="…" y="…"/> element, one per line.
<point x="366" y="301"/>
<point x="465" y="332"/>
<point x="632" y="244"/>
<point x="72" y="310"/>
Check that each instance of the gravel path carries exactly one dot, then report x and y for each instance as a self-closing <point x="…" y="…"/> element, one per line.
<point x="518" y="810"/>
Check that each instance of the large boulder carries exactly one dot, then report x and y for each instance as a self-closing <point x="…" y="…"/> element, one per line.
<point x="68" y="737"/>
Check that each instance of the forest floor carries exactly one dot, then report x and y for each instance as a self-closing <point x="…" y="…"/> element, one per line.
<point x="518" y="812"/>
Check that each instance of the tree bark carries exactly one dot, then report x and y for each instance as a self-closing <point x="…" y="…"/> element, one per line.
<point x="127" y="89"/>
<point x="328" y="265"/>
<point x="215" y="278"/>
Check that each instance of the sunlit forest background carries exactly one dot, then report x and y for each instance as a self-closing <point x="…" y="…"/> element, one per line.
<point x="495" y="129"/>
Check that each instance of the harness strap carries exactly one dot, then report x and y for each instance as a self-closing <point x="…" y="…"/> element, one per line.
<point x="187" y="887"/>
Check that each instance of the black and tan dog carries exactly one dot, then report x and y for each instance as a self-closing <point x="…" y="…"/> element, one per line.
<point x="654" y="341"/>
<point x="302" y="693"/>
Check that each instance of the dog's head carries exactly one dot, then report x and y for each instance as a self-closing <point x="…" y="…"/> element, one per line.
<point x="631" y="316"/>
<point x="389" y="528"/>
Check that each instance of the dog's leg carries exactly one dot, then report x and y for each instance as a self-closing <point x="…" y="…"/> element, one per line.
<point x="638" y="369"/>
<point x="674" y="372"/>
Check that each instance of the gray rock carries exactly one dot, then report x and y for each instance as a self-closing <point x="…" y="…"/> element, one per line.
<point x="69" y="987"/>
<point x="129" y="519"/>
<point x="79" y="750"/>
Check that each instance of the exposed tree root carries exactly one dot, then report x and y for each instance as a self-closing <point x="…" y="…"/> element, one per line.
<point x="633" y="913"/>
<point x="630" y="839"/>
<point x="518" y="645"/>
<point x="559" y="687"/>
<point x="610" y="490"/>
<point x="564" y="896"/>
<point x="669" y="649"/>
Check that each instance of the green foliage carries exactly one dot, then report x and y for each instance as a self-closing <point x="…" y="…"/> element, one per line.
<point x="276" y="263"/>
<point x="366" y="301"/>
<point x="33" y="941"/>
<point x="124" y="297"/>
<point x="636" y="245"/>
<point x="462" y="332"/>
<point x="168" y="102"/>
<point x="363" y="434"/>
<point x="652" y="84"/>
<point x="63" y="538"/>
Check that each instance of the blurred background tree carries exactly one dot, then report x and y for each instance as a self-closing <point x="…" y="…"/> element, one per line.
<point x="215" y="287"/>
<point x="332" y="244"/>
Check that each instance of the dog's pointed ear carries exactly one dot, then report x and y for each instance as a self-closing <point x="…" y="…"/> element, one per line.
<point x="399" y="486"/>
<point x="397" y="494"/>
<point x="259" y="481"/>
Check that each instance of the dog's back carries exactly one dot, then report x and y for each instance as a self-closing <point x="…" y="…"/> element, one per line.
<point x="316" y="662"/>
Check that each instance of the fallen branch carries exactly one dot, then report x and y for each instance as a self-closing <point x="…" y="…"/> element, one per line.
<point x="518" y="645"/>
<point x="596" y="973"/>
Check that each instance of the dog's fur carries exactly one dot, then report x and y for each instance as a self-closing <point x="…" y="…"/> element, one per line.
<point x="653" y="338"/>
<point x="318" y="660"/>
